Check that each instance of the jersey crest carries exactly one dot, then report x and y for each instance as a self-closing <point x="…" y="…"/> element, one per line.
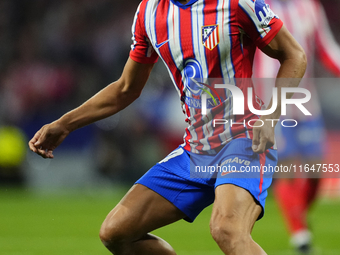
<point x="210" y="36"/>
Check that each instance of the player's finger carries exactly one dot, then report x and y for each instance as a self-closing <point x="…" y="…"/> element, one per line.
<point x="39" y="141"/>
<point x="262" y="145"/>
<point x="41" y="153"/>
<point x="45" y="153"/>
<point x="49" y="154"/>
<point x="256" y="140"/>
<point x="31" y="146"/>
<point x="32" y="143"/>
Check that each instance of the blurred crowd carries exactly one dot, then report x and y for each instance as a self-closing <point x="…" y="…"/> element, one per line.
<point x="56" y="54"/>
<point x="52" y="51"/>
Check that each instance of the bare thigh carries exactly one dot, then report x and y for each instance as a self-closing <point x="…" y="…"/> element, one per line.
<point x="234" y="214"/>
<point x="237" y="205"/>
<point x="139" y="212"/>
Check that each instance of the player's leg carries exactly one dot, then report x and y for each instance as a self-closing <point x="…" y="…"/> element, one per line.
<point x="295" y="195"/>
<point x="240" y="196"/>
<point x="126" y="228"/>
<point x="234" y="214"/>
<point x="171" y="195"/>
<point x="287" y="195"/>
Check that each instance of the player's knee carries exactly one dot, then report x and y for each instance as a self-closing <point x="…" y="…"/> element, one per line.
<point x="112" y="236"/>
<point x="228" y="231"/>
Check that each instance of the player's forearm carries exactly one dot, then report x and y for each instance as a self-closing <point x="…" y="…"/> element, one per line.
<point x="290" y="74"/>
<point x="111" y="99"/>
<point x="105" y="103"/>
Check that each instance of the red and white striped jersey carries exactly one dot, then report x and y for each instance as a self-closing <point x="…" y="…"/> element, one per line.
<point x="203" y="39"/>
<point x="307" y="22"/>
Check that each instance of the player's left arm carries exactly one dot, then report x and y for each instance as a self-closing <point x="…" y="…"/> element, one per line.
<point x="292" y="58"/>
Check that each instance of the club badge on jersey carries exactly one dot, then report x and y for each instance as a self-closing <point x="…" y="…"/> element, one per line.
<point x="210" y="36"/>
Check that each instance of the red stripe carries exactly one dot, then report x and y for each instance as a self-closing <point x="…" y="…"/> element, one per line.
<point x="187" y="143"/>
<point x="215" y="36"/>
<point x="262" y="163"/>
<point x="186" y="33"/>
<point x="188" y="52"/>
<point x="213" y="63"/>
<point x="210" y="16"/>
<point x="162" y="34"/>
<point x="242" y="59"/>
<point x="250" y="7"/>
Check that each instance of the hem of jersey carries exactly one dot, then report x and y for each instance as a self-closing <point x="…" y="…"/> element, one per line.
<point x="218" y="148"/>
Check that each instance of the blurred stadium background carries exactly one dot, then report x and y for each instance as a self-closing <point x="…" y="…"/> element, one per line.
<point x="53" y="56"/>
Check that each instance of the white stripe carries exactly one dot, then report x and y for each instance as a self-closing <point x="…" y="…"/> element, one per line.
<point x="173" y="31"/>
<point x="197" y="24"/>
<point x="249" y="6"/>
<point x="198" y="48"/>
<point x="151" y="31"/>
<point x="150" y="19"/>
<point x="225" y="41"/>
<point x="225" y="54"/>
<point x="207" y="130"/>
<point x="133" y="28"/>
<point x="175" y="45"/>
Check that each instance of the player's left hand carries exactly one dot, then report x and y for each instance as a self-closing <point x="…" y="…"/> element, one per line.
<point x="263" y="136"/>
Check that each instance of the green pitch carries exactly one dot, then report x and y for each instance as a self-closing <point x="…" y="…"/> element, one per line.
<point x="34" y="223"/>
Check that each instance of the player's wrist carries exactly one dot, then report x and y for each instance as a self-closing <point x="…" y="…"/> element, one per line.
<point x="65" y="124"/>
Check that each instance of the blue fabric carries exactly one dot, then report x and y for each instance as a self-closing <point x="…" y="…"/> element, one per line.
<point x="183" y="179"/>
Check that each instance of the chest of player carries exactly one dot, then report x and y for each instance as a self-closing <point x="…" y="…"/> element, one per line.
<point x="203" y="31"/>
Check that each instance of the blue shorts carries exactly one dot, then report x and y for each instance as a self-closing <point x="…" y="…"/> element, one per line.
<point x="305" y="140"/>
<point x="178" y="177"/>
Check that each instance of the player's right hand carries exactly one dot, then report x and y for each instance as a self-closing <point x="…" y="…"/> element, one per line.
<point x="263" y="136"/>
<point x="47" y="139"/>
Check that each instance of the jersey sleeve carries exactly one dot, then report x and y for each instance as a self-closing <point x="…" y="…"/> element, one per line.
<point x="142" y="50"/>
<point x="258" y="21"/>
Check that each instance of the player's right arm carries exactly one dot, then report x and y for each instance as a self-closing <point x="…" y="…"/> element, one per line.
<point x="269" y="34"/>
<point x="110" y="100"/>
<point x="293" y="63"/>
